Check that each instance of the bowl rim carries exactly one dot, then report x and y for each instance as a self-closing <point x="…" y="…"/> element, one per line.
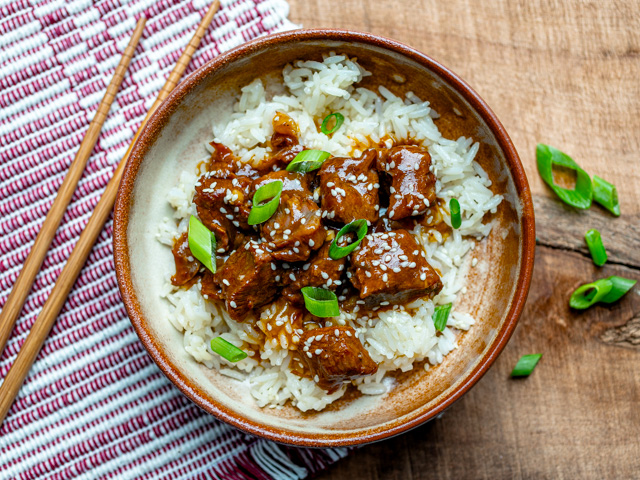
<point x="194" y="392"/>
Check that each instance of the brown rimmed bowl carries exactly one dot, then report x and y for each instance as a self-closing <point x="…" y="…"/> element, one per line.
<point x="173" y="141"/>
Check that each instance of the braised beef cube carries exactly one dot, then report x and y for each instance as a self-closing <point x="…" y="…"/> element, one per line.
<point x="292" y="182"/>
<point x="187" y="266"/>
<point x="208" y="287"/>
<point x="413" y="184"/>
<point x="335" y="355"/>
<point x="222" y="163"/>
<point x="391" y="267"/>
<point x="285" y="132"/>
<point x="223" y="206"/>
<point x="247" y="280"/>
<point x="350" y="188"/>
<point x="320" y="271"/>
<point x="295" y="229"/>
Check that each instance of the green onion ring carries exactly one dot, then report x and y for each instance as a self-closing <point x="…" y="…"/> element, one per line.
<point x="227" y="350"/>
<point x="339" y="121"/>
<point x="606" y="195"/>
<point x="525" y="365"/>
<point x="440" y="316"/>
<point x="589" y="294"/>
<point x="580" y="196"/>
<point x="359" y="227"/>
<point x="320" y="302"/>
<point x="307" y="161"/>
<point x="596" y="247"/>
<point x="620" y="286"/>
<point x="454" y="208"/>
<point x="261" y="213"/>
<point x="202" y="243"/>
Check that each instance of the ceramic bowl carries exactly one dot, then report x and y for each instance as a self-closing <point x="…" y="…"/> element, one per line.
<point x="173" y="140"/>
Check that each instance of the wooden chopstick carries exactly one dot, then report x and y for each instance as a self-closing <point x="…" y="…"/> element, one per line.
<point x="42" y="326"/>
<point x="31" y="267"/>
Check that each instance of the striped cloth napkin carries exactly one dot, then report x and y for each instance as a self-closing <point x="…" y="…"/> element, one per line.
<point x="94" y="404"/>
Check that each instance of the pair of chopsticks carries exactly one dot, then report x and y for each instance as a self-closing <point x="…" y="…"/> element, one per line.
<point x="45" y="320"/>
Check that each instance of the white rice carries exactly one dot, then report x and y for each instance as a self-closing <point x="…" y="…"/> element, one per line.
<point x="395" y="339"/>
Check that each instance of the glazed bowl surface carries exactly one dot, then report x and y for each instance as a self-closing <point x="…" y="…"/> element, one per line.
<point x="173" y="141"/>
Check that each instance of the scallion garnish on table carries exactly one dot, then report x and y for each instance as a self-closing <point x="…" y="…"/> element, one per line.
<point x="321" y="302"/>
<point x="227" y="350"/>
<point x="307" y="161"/>
<point x="596" y="247"/>
<point x="324" y="128"/>
<point x="454" y="209"/>
<point x="441" y="315"/>
<point x="548" y="157"/>
<point x="525" y="365"/>
<point x="359" y="227"/>
<point x="261" y="212"/>
<point x="202" y="243"/>
<point x="605" y="290"/>
<point x="606" y="195"/>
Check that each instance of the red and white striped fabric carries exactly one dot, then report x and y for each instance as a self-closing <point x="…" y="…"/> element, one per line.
<point x="94" y="404"/>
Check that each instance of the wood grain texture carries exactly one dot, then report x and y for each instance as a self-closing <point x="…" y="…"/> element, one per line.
<point x="565" y="74"/>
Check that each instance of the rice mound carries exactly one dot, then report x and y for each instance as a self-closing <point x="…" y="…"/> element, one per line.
<point x="395" y="339"/>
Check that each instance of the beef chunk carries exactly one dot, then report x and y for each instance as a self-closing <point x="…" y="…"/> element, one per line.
<point x="292" y="182"/>
<point x="208" y="287"/>
<point x="335" y="355"/>
<point x="350" y="188"/>
<point x="285" y="132"/>
<point x="390" y="267"/>
<point x="320" y="271"/>
<point x="247" y="280"/>
<point x="412" y="188"/>
<point x="187" y="266"/>
<point x="222" y="205"/>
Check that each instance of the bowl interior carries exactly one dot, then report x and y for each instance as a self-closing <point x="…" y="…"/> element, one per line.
<point x="174" y="140"/>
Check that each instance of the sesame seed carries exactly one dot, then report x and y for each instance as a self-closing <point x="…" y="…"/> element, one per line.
<point x="385" y="278"/>
<point x="384" y="304"/>
<point x="309" y="353"/>
<point x="286" y="266"/>
<point x="376" y="207"/>
<point x="392" y="190"/>
<point x="412" y="265"/>
<point x="325" y="275"/>
<point x="367" y="273"/>
<point x="285" y="237"/>
<point x="277" y="278"/>
<point x="226" y="282"/>
<point x="338" y="282"/>
<point x="376" y="185"/>
<point x="317" y="351"/>
<point x="311" y="243"/>
<point x="370" y="187"/>
<point x="416" y="252"/>
<point x="341" y="267"/>
<point x="236" y="223"/>
<point x="296" y="249"/>
<point x="287" y="211"/>
<point x="306" y="266"/>
<point x="348" y="333"/>
<point x="330" y="184"/>
<point x="276" y="225"/>
<point x="292" y="277"/>
<point x="223" y="210"/>
<point x="297" y="244"/>
<point x="378" y="251"/>
<point x="337" y="332"/>
<point x="272" y="233"/>
<point x="375" y="263"/>
<point x="416" y="167"/>
<point x="233" y="304"/>
<point x="360" y="302"/>
<point x="387" y="258"/>
<point x="230" y="217"/>
<point x="396" y="270"/>
<point x="398" y="196"/>
<point x="273" y="266"/>
<point x="392" y="164"/>
<point x="403" y="257"/>
<point x="342" y="298"/>
<point x="474" y="262"/>
<point x="383" y="267"/>
<point x="303" y="220"/>
<point x="392" y="234"/>
<point x="316" y="378"/>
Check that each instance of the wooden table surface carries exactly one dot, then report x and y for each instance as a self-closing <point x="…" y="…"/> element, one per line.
<point x="566" y="74"/>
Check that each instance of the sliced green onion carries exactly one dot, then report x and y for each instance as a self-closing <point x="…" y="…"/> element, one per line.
<point x="261" y="212"/>
<point x="596" y="247"/>
<point x="580" y="196"/>
<point x="620" y="286"/>
<point x="440" y="316"/>
<point x="606" y="195"/>
<point x="307" y="161"/>
<point x="589" y="294"/>
<point x="321" y="302"/>
<point x="227" y="350"/>
<point x="454" y="208"/>
<point x="339" y="121"/>
<point x="202" y="243"/>
<point x="357" y="226"/>
<point x="525" y="365"/>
